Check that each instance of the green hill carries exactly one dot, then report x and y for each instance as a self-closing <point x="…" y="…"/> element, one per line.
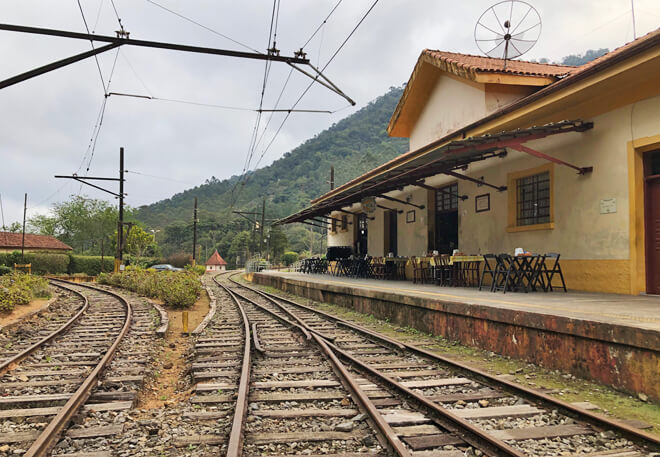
<point x="353" y="145"/>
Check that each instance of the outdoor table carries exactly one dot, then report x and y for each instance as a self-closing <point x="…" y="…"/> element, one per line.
<point x="466" y="273"/>
<point x="395" y="268"/>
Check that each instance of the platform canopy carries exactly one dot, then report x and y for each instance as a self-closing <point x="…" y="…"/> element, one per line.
<point x="431" y="160"/>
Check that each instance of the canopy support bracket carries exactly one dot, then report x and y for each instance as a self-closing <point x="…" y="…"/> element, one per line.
<point x="533" y="152"/>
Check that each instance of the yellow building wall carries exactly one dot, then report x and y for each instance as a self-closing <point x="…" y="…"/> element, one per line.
<point x="594" y="247"/>
<point x="455" y="102"/>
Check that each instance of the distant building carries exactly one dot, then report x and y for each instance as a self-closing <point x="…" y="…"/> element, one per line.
<point x="10" y="241"/>
<point x="506" y="155"/>
<point x="216" y="263"/>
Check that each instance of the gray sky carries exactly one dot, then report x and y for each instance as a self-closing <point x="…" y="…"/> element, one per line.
<point x="46" y="123"/>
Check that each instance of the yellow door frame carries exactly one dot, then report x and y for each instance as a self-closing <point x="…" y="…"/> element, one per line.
<point x="636" y="150"/>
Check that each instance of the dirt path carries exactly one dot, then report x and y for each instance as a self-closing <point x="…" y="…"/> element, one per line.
<point x="168" y="386"/>
<point x="21" y="311"/>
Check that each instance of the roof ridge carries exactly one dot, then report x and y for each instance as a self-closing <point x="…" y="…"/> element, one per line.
<point x="500" y="59"/>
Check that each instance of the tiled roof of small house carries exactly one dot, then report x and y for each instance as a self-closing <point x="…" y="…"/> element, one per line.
<point x="215" y="259"/>
<point x="11" y="240"/>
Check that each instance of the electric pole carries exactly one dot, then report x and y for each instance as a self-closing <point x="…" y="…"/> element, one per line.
<point x="23" y="242"/>
<point x="263" y="221"/>
<point x="120" y="225"/>
<point x="332" y="177"/>
<point x="194" y="233"/>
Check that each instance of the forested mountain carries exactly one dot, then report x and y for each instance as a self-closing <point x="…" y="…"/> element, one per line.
<point x="353" y="145"/>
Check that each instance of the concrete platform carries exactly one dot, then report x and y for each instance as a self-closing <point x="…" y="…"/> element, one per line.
<point x="611" y="338"/>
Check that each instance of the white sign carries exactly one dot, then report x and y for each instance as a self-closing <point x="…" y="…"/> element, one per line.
<point x="608" y="206"/>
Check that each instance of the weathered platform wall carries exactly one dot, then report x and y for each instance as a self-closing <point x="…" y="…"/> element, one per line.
<point x="623" y="357"/>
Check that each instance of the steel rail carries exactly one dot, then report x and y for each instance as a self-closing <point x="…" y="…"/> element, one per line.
<point x="5" y="366"/>
<point x="536" y="397"/>
<point x="469" y="433"/>
<point x="234" y="446"/>
<point x="337" y="320"/>
<point x="257" y="345"/>
<point x="49" y="436"/>
<point x="272" y="297"/>
<point x="387" y="437"/>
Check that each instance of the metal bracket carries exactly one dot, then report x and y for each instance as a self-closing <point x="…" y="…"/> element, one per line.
<point x="474" y="180"/>
<point x="540" y="155"/>
<point x="401" y="201"/>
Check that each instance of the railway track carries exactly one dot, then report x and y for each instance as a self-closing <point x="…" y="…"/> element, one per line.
<point x="311" y="372"/>
<point x="59" y="394"/>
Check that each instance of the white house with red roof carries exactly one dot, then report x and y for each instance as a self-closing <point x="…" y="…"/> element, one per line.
<point x="216" y="263"/>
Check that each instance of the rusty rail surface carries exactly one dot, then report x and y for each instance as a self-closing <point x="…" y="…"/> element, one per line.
<point x="49" y="436"/>
<point x="4" y="366"/>
<point x="536" y="397"/>
<point x="235" y="444"/>
<point x="471" y="434"/>
<point x="386" y="435"/>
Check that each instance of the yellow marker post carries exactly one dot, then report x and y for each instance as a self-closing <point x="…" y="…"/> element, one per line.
<point x="184" y="317"/>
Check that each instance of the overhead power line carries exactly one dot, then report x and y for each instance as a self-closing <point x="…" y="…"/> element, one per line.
<point x="185" y="18"/>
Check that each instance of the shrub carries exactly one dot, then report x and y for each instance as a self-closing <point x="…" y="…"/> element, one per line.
<point x="47" y="263"/>
<point x="89" y="265"/>
<point x="197" y="269"/>
<point x="289" y="258"/>
<point x="176" y="288"/>
<point x="4" y="270"/>
<point x="19" y="289"/>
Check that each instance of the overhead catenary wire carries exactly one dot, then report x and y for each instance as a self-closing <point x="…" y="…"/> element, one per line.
<point x="185" y="18"/>
<point x="96" y="59"/>
<point x="334" y="55"/>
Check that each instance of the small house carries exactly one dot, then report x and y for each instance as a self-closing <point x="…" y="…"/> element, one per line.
<point x="216" y="263"/>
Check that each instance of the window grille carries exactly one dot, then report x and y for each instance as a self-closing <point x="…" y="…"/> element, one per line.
<point x="533" y="199"/>
<point x="447" y="198"/>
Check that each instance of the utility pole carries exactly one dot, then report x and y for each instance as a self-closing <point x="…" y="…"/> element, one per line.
<point x="120" y="196"/>
<point x="263" y="221"/>
<point x="194" y="233"/>
<point x="102" y="256"/>
<point x="23" y="242"/>
<point x="120" y="225"/>
<point x="332" y="177"/>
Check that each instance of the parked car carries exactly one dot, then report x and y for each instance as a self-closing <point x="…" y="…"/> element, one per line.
<point x="165" y="267"/>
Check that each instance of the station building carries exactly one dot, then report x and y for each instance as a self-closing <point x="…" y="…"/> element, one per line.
<point x="508" y="154"/>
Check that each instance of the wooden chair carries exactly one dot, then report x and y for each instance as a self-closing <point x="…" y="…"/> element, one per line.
<point x="490" y="267"/>
<point x="549" y="273"/>
<point x="445" y="271"/>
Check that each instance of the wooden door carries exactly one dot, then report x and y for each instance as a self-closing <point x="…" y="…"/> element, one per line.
<point x="653" y="235"/>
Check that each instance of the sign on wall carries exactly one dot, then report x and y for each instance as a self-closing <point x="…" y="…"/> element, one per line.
<point x="608" y="206"/>
<point x="410" y="216"/>
<point x="482" y="203"/>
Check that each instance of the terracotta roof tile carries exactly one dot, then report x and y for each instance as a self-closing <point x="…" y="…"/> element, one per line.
<point x="10" y="240"/>
<point x="467" y="62"/>
<point x="215" y="259"/>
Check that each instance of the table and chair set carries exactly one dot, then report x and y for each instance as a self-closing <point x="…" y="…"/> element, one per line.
<point x="494" y="272"/>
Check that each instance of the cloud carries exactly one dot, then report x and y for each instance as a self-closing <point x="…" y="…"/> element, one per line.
<point x="46" y="123"/>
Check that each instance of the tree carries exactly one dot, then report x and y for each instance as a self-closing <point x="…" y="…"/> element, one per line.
<point x="277" y="241"/>
<point x="139" y="243"/>
<point x="15" y="227"/>
<point x="81" y="222"/>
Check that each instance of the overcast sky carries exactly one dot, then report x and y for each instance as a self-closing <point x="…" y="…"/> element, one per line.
<point x="46" y="123"/>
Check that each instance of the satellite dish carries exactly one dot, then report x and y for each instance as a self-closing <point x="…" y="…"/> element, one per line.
<point x="508" y="29"/>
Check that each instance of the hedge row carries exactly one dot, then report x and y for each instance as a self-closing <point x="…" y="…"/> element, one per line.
<point x="176" y="288"/>
<point x="54" y="263"/>
<point x="20" y="289"/>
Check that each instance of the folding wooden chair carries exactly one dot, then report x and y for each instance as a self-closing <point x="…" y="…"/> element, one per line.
<point x="549" y="273"/>
<point x="489" y="268"/>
